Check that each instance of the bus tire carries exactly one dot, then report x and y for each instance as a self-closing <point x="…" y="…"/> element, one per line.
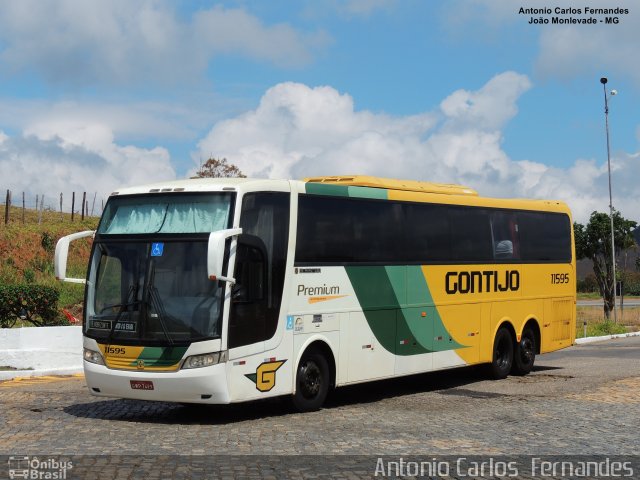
<point x="312" y="382"/>
<point x="502" y="359"/>
<point x="525" y="354"/>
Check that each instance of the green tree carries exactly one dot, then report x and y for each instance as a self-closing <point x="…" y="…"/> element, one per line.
<point x="593" y="241"/>
<point x="218" y="168"/>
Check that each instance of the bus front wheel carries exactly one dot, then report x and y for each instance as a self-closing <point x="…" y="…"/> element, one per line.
<point x="525" y="354"/>
<point x="502" y="354"/>
<point x="312" y="382"/>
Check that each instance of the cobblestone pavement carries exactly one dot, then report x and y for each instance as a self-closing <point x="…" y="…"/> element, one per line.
<point x="581" y="401"/>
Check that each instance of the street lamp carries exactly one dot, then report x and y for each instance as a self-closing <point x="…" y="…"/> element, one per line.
<point x="603" y="81"/>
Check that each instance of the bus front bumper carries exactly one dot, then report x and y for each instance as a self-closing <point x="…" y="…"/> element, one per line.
<point x="197" y="385"/>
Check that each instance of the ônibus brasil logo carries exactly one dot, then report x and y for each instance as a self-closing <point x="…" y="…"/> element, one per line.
<point x="38" y="468"/>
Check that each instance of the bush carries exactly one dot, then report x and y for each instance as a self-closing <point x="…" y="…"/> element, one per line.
<point x="588" y="285"/>
<point x="605" y="328"/>
<point x="632" y="288"/>
<point x="37" y="304"/>
<point x="631" y="283"/>
<point x="47" y="242"/>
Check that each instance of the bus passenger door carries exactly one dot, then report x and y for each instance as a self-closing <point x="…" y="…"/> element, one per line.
<point x="254" y="325"/>
<point x="247" y="318"/>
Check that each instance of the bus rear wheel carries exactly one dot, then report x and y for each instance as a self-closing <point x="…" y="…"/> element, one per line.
<point x="525" y="354"/>
<point x="312" y="382"/>
<point x="502" y="354"/>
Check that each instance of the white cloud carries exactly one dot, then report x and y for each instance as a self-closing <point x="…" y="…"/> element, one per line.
<point x="298" y="131"/>
<point x="118" y="41"/>
<point x="575" y="50"/>
<point x="61" y="158"/>
<point x="565" y="51"/>
<point x="295" y="124"/>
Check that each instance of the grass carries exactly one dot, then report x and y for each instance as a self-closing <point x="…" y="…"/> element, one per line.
<point x="26" y="252"/>
<point x="597" y="325"/>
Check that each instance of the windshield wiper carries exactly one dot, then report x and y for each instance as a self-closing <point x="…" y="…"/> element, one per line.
<point x="131" y="294"/>
<point x="156" y="303"/>
<point x="160" y="311"/>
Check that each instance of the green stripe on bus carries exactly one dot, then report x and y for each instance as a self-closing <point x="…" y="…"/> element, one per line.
<point x="365" y="192"/>
<point x="345" y="191"/>
<point x="393" y="300"/>
<point x="327" y="189"/>
<point x="160" y="356"/>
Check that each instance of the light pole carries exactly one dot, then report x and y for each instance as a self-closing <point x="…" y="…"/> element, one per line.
<point x="603" y="81"/>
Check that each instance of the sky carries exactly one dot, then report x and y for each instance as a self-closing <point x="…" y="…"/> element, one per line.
<point x="98" y="95"/>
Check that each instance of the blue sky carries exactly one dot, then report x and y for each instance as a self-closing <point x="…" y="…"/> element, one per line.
<point x="100" y="94"/>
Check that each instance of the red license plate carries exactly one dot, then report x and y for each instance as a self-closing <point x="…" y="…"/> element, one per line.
<point x="141" y="384"/>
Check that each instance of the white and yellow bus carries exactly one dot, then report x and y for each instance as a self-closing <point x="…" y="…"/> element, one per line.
<point x="228" y="290"/>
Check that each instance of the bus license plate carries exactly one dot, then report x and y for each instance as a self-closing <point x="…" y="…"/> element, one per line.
<point x="141" y="384"/>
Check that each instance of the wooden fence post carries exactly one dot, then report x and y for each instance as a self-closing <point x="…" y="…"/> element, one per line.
<point x="93" y="205"/>
<point x="61" y="216"/>
<point x="7" y="204"/>
<point x="23" y="208"/>
<point x="73" y="204"/>
<point x="41" y="207"/>
<point x="84" y="200"/>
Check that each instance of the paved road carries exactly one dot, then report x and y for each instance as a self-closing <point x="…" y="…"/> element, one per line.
<point x="583" y="400"/>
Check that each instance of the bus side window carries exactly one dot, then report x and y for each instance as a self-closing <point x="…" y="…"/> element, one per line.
<point x="248" y="319"/>
<point x="504" y="232"/>
<point x="250" y="274"/>
<point x="260" y="267"/>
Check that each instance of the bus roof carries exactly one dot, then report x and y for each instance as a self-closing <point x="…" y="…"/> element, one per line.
<point x="354" y="185"/>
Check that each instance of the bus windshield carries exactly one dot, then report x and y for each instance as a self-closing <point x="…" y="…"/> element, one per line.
<point x="148" y="281"/>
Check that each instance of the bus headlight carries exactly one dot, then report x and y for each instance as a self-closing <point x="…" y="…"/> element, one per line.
<point x="205" y="360"/>
<point x="93" y="356"/>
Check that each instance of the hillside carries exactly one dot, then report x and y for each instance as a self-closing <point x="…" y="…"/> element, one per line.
<point x="26" y="252"/>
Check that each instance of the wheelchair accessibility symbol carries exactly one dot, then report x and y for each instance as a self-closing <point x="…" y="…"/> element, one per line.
<point x="157" y="249"/>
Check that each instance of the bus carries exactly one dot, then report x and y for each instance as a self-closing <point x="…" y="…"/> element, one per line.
<point x="229" y="290"/>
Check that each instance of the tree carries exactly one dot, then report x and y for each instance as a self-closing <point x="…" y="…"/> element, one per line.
<point x="218" y="168"/>
<point x="594" y="242"/>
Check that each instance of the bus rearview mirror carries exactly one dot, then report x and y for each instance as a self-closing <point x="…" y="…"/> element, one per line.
<point x="215" y="253"/>
<point x="62" y="252"/>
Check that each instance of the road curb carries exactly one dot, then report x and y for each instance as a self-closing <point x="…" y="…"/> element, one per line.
<point x="580" y="341"/>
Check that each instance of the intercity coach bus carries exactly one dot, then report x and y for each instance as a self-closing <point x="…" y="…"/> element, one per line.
<point x="228" y="290"/>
